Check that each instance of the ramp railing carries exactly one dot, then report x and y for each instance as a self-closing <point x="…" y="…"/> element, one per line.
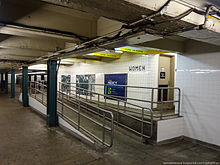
<point x="99" y="126"/>
<point x="154" y="98"/>
<point x="120" y="108"/>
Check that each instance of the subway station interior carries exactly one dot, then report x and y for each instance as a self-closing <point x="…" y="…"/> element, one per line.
<point x="109" y="82"/>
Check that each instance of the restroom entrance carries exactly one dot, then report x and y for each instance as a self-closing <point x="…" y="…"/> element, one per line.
<point x="166" y="74"/>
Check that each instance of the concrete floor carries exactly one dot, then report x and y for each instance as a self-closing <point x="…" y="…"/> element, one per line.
<point x="26" y="140"/>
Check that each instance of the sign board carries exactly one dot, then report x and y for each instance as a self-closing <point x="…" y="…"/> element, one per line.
<point x="107" y="55"/>
<point x="85" y="80"/>
<point x="139" y="51"/>
<point x="162" y="75"/>
<point x="116" y="79"/>
<point x="136" y="68"/>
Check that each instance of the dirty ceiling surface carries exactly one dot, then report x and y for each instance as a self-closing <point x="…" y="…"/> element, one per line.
<point x="30" y="29"/>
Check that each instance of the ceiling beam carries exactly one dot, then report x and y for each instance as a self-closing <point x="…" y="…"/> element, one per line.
<point x="33" y="44"/>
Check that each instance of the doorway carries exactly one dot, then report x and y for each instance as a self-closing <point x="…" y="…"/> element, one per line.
<point x="166" y="78"/>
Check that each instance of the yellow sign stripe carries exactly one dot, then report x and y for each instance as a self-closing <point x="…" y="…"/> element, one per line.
<point x="214" y="18"/>
<point x="139" y="51"/>
<point x="107" y="55"/>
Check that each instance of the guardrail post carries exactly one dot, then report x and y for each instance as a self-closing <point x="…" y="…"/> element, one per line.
<point x="62" y="104"/>
<point x="90" y="91"/>
<point x="142" y="123"/>
<point x="98" y="99"/>
<point x="103" y="133"/>
<point x="42" y="85"/>
<point x="25" y="100"/>
<point x="179" y="102"/>
<point x="161" y="105"/>
<point x="52" y="117"/>
<point x="79" y="114"/>
<point x="152" y="99"/>
<point x="12" y="83"/>
<point x="118" y="112"/>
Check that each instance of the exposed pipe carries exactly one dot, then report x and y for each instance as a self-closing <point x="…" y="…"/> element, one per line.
<point x="177" y="17"/>
<point x="140" y="23"/>
<point x="117" y="32"/>
<point x="42" y="31"/>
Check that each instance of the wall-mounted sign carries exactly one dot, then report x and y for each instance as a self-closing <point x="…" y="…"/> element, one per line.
<point x="139" y="51"/>
<point x="116" y="79"/>
<point x="107" y="55"/>
<point x="136" y="68"/>
<point x="162" y="75"/>
<point x="85" y="80"/>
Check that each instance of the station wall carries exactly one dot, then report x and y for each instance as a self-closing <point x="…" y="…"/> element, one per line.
<point x="135" y="77"/>
<point x="198" y="76"/>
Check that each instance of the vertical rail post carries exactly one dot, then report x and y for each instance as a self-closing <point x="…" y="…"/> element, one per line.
<point x="161" y="105"/>
<point x="118" y="112"/>
<point x="105" y="97"/>
<point x="125" y="106"/>
<point x="79" y="106"/>
<point x="59" y="89"/>
<point x="98" y="99"/>
<point x="62" y="104"/>
<point x="90" y="91"/>
<point x="142" y="123"/>
<point x="103" y="133"/>
<point x="179" y="102"/>
<point x="152" y="99"/>
<point x="42" y="93"/>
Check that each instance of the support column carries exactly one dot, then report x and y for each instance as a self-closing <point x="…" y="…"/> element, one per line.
<point x="52" y="118"/>
<point x="12" y="83"/>
<point x="2" y="82"/>
<point x="6" y="82"/>
<point x="25" y="101"/>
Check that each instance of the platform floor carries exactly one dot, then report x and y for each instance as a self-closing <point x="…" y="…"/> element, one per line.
<point x="26" y="140"/>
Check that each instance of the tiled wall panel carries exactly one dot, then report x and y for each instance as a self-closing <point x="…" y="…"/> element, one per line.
<point x="198" y="76"/>
<point x="147" y="77"/>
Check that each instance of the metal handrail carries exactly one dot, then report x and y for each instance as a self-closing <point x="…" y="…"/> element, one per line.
<point x="104" y="115"/>
<point x="107" y="115"/>
<point x="131" y="86"/>
<point x="151" y="101"/>
<point x="143" y="109"/>
<point x="34" y="86"/>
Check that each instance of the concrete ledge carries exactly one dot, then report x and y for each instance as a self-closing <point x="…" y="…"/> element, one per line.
<point x="169" y="129"/>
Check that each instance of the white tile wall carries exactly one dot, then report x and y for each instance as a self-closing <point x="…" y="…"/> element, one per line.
<point x="198" y="76"/>
<point x="147" y="78"/>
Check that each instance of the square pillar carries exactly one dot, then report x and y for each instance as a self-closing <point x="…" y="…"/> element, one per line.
<point x="52" y="117"/>
<point x="25" y="101"/>
<point x="6" y="82"/>
<point x="12" y="83"/>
